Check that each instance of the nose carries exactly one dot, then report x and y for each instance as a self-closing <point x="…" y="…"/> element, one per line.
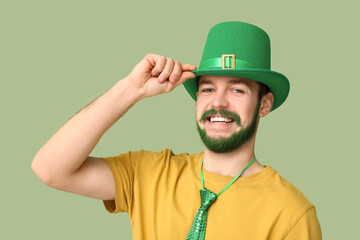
<point x="219" y="100"/>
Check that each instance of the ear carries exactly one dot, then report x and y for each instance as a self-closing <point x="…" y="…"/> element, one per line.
<point x="266" y="104"/>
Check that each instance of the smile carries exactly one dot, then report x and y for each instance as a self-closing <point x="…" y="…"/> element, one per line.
<point x="220" y="119"/>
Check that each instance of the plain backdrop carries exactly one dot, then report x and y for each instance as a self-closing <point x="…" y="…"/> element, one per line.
<point x="57" y="56"/>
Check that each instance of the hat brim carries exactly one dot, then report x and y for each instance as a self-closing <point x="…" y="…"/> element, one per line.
<point x="278" y="84"/>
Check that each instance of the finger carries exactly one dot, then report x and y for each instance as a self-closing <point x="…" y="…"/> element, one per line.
<point x="188" y="67"/>
<point x="185" y="76"/>
<point x="160" y="62"/>
<point x="176" y="73"/>
<point x="169" y="66"/>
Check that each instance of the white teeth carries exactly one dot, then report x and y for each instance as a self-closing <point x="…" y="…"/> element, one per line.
<point x="220" y="119"/>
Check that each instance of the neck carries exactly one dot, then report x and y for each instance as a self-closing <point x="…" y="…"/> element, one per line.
<point x="232" y="163"/>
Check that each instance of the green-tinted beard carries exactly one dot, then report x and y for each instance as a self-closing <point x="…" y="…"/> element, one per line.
<point x="236" y="140"/>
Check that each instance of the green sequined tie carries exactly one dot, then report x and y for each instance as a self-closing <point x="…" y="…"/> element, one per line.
<point x="198" y="227"/>
<point x="197" y="230"/>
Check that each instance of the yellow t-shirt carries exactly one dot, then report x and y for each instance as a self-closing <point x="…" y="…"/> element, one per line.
<point x="161" y="193"/>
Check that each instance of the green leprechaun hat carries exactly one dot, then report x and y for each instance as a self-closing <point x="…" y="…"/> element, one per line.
<point x="241" y="50"/>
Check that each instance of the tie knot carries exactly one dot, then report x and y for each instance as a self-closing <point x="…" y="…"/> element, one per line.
<point x="207" y="198"/>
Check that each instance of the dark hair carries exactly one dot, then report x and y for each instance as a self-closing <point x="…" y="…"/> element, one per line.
<point x="263" y="89"/>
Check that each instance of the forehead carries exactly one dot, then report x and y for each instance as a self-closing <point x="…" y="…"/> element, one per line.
<point x="225" y="80"/>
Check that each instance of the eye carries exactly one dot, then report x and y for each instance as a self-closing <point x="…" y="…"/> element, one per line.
<point x="206" y="90"/>
<point x="237" y="90"/>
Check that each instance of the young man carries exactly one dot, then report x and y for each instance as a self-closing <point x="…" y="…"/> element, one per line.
<point x="239" y="198"/>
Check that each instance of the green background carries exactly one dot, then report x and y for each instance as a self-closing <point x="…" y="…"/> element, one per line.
<point x="57" y="56"/>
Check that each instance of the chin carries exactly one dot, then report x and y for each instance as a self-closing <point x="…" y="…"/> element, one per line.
<point x="218" y="136"/>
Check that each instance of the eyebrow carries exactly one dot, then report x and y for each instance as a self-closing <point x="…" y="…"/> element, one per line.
<point x="237" y="81"/>
<point x="231" y="81"/>
<point x="204" y="82"/>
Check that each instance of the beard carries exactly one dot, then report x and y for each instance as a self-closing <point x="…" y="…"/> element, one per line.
<point x="236" y="140"/>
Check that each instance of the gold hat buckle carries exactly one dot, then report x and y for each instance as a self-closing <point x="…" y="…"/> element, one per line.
<point x="228" y="61"/>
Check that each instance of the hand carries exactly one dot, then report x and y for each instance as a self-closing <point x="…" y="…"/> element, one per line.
<point x="157" y="74"/>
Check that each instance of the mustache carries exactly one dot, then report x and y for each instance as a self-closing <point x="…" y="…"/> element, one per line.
<point x="223" y="113"/>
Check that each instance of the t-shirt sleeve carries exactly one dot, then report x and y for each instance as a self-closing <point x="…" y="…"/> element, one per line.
<point x="122" y="168"/>
<point x="306" y="228"/>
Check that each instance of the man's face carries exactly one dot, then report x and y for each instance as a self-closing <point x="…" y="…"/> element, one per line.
<point x="227" y="111"/>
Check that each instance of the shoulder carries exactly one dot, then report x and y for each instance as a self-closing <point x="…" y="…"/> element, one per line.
<point x="147" y="156"/>
<point x="289" y="205"/>
<point x="298" y="211"/>
<point x="164" y="157"/>
<point x="165" y="153"/>
<point x="164" y="166"/>
<point x="288" y="196"/>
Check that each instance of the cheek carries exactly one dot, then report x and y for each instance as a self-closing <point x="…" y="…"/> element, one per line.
<point x="200" y="108"/>
<point x="247" y="112"/>
<point x="198" y="112"/>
